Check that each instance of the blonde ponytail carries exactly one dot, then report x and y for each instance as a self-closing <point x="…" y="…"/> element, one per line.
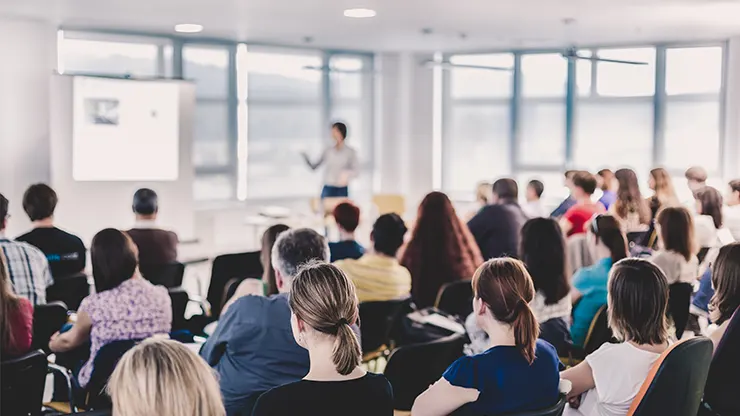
<point x="347" y="351"/>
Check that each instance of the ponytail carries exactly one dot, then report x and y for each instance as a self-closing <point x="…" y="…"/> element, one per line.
<point x="526" y="331"/>
<point x="347" y="354"/>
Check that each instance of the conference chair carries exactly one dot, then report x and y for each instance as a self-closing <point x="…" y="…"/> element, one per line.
<point x="413" y="368"/>
<point x="69" y="289"/>
<point x="598" y="334"/>
<point x="47" y="319"/>
<point x="390" y="204"/>
<point x="723" y="380"/>
<point x="169" y="275"/>
<point x="679" y="301"/>
<point x="180" y="299"/>
<point x="226" y="267"/>
<point x="456" y="298"/>
<point x="22" y="384"/>
<point x="555" y="410"/>
<point x="95" y="396"/>
<point x="376" y="321"/>
<point x="676" y="381"/>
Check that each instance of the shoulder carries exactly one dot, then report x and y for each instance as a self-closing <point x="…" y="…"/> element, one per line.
<point x="25" y="237"/>
<point x="462" y="370"/>
<point x="609" y="352"/>
<point x="31" y="251"/>
<point x="276" y="398"/>
<point x="544" y="349"/>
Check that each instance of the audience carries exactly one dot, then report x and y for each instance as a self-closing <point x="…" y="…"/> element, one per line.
<point x="253" y="349"/>
<point x="483" y="197"/>
<point x="124" y="307"/>
<point x="589" y="284"/>
<point x="709" y="216"/>
<point x="630" y="208"/>
<point x="441" y="249"/>
<point x="496" y="227"/>
<point x="324" y="305"/>
<point x="575" y="219"/>
<point x="726" y="282"/>
<point x="519" y="372"/>
<point x="570" y="200"/>
<point x="608" y="380"/>
<point x="164" y="378"/>
<point x="732" y="210"/>
<point x="696" y="178"/>
<point x="65" y="252"/>
<point x="347" y="216"/>
<point x="608" y="185"/>
<point x="378" y="275"/>
<point x="534" y="207"/>
<point x="27" y="266"/>
<point x="156" y="246"/>
<point x="664" y="195"/>
<point x="677" y="254"/>
<point x="16" y="318"/>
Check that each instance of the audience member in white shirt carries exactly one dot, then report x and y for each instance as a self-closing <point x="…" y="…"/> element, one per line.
<point x="709" y="216"/>
<point x="534" y="208"/>
<point x="732" y="210"/>
<point x="677" y="253"/>
<point x="607" y="382"/>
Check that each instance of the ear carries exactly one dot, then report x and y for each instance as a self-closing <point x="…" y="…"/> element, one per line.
<point x="479" y="306"/>
<point x="372" y="236"/>
<point x="279" y="281"/>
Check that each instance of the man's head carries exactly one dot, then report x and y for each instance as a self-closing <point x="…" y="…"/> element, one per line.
<point x="387" y="235"/>
<point x="733" y="193"/>
<point x="606" y="180"/>
<point x="696" y="178"/>
<point x="3" y="212"/>
<point x="584" y="184"/>
<point x="347" y="216"/>
<point x="146" y="204"/>
<point x="505" y="189"/>
<point x="568" y="181"/>
<point x="535" y="189"/>
<point x="292" y="249"/>
<point x="39" y="202"/>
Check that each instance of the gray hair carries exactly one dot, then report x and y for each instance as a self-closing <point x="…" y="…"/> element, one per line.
<point x="293" y="248"/>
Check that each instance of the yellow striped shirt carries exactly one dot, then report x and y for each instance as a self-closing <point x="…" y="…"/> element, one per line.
<point x="377" y="277"/>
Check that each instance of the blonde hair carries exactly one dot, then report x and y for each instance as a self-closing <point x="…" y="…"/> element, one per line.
<point x="163" y="377"/>
<point x="9" y="305"/>
<point x="323" y="297"/>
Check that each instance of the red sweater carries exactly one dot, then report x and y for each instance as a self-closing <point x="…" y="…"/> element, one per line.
<point x="21" y="326"/>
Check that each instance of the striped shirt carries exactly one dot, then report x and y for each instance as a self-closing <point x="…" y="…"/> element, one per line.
<point x="377" y="277"/>
<point x="28" y="269"/>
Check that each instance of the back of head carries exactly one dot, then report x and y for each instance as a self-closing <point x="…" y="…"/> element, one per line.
<point x="537" y="186"/>
<point x="268" y="241"/>
<point x="586" y="181"/>
<point x="696" y="174"/>
<point x="347" y="216"/>
<point x="638" y="299"/>
<point x="734" y="185"/>
<point x="39" y="201"/>
<point x="506" y="189"/>
<point x="677" y="231"/>
<point x="664" y="185"/>
<point x="293" y="248"/>
<point x="483" y="192"/>
<point x="4" y="205"/>
<point x="324" y="298"/>
<point x="608" y="231"/>
<point x="607" y="177"/>
<point x="726" y="282"/>
<point x="505" y="287"/>
<point x="629" y="196"/>
<point x="543" y="252"/>
<point x="114" y="258"/>
<point x="145" y="202"/>
<point x="711" y="204"/>
<point x="388" y="232"/>
<point x="163" y="377"/>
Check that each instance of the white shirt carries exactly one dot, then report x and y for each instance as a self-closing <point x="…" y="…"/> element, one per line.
<point x="675" y="266"/>
<point x="618" y="371"/>
<point x="535" y="209"/>
<point x="544" y="312"/>
<point x="339" y="162"/>
<point x="704" y="230"/>
<point x="732" y="221"/>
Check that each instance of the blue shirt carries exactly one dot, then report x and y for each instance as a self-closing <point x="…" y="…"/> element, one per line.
<point x="506" y="381"/>
<point x="608" y="198"/>
<point x="564" y="207"/>
<point x="591" y="282"/>
<point x="703" y="296"/>
<point x="348" y="249"/>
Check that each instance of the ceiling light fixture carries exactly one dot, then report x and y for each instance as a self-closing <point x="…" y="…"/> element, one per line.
<point x="360" y="13"/>
<point x="188" y="28"/>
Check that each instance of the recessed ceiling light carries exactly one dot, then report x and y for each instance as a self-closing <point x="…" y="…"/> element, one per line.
<point x="188" y="28"/>
<point x="360" y="13"/>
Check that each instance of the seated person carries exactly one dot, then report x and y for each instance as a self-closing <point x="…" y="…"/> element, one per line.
<point x="731" y="212"/>
<point x="156" y="246"/>
<point x="518" y="373"/>
<point x="589" y="283"/>
<point x="347" y="216"/>
<point x="124" y="307"/>
<point x="608" y="380"/>
<point x="575" y="219"/>
<point x="377" y="275"/>
<point x="609" y="185"/>
<point x="726" y="282"/>
<point x="534" y="208"/>
<point x="16" y="325"/>
<point x="676" y="256"/>
<point x="324" y="305"/>
<point x="27" y="265"/>
<point x="163" y="377"/>
<point x="65" y="252"/>
<point x="570" y="200"/>
<point x="253" y="349"/>
<point x="496" y="227"/>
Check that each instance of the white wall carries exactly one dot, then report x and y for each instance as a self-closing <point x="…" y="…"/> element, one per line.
<point x="732" y="111"/>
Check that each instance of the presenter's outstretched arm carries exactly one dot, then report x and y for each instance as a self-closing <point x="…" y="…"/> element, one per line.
<point x="312" y="165"/>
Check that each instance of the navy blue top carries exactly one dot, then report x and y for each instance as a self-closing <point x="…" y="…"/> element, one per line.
<point x="703" y="296"/>
<point x="564" y="207"/>
<point x="506" y="381"/>
<point x="349" y="249"/>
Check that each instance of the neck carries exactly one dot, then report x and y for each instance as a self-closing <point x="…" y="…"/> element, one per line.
<point x="43" y="223"/>
<point x="339" y="145"/>
<point x="346" y="235"/>
<point x="586" y="199"/>
<point x="141" y="217"/>
<point x="602" y="252"/>
<point x="379" y="254"/>
<point x="500" y="334"/>
<point x="322" y="365"/>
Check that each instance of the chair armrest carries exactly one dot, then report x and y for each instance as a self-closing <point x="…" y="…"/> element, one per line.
<point x="67" y="376"/>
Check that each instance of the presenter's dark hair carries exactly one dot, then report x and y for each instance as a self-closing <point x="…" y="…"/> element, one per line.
<point x="39" y="201"/>
<point x="506" y="188"/>
<point x="537" y="186"/>
<point x="341" y="128"/>
<point x="387" y="234"/>
<point x="145" y="202"/>
<point x="114" y="258"/>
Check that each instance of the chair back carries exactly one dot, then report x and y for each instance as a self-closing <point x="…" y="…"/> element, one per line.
<point x="69" y="289"/>
<point x="679" y="301"/>
<point x="599" y="333"/>
<point x="47" y="319"/>
<point x="390" y="204"/>
<point x="103" y="365"/>
<point x="376" y="321"/>
<point x="555" y="410"/>
<point x="226" y="267"/>
<point x="168" y="275"/>
<point x="23" y="380"/>
<point x="413" y="368"/>
<point x="456" y="298"/>
<point x="723" y="383"/>
<point x="676" y="381"/>
<point x="180" y="299"/>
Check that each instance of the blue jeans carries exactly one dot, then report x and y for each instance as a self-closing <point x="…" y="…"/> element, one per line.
<point x="334" y="192"/>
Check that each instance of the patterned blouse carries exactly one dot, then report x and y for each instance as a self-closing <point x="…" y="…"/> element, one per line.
<point x="135" y="309"/>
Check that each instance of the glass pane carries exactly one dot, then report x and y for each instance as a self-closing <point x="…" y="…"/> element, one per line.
<point x="481" y="83"/>
<point x="476" y="146"/>
<point x="276" y="76"/>
<point x="544" y="75"/>
<point x="346" y="81"/>
<point x="584" y="74"/>
<point x="626" y="80"/>
<point x="109" y="58"/>
<point x="542" y="140"/>
<point x="209" y="67"/>
<point x="213" y="187"/>
<point x="211" y="134"/>
<point x="692" y="134"/>
<point x="693" y="70"/>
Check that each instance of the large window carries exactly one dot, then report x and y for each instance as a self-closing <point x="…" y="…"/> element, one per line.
<point x="118" y="56"/>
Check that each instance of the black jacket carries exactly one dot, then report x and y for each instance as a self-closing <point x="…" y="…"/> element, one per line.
<point x="496" y="229"/>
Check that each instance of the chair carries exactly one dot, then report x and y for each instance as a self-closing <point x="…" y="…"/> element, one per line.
<point x="103" y="365"/>
<point x="376" y="322"/>
<point x="168" y="275"/>
<point x="676" y="381"/>
<point x="599" y="332"/>
<point x="456" y="298"/>
<point x="22" y="382"/>
<point x="390" y="204"/>
<point x="555" y="410"/>
<point x="413" y="368"/>
<point x="47" y="319"/>
<point x="226" y="267"/>
<point x="70" y="289"/>
<point x="679" y="301"/>
<point x="723" y="384"/>
<point x="180" y="299"/>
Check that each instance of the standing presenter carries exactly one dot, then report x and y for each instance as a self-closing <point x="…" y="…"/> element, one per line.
<point x="341" y="164"/>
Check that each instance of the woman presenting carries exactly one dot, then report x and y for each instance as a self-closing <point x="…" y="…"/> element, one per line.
<point x="341" y="164"/>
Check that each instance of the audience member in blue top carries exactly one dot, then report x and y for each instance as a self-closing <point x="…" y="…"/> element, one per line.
<point x="570" y="200"/>
<point x="347" y="216"/>
<point x="589" y="283"/>
<point x="518" y="372"/>
<point x="609" y="185"/>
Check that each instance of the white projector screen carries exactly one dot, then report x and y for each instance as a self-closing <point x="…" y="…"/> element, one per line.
<point x="125" y="130"/>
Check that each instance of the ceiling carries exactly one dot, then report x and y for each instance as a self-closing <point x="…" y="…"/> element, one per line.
<point x="455" y="24"/>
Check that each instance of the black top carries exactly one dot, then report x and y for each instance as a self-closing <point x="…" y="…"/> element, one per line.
<point x="65" y="252"/>
<point x="370" y="395"/>
<point x="496" y="229"/>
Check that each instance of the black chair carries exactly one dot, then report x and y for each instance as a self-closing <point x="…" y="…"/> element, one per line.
<point x="168" y="275"/>
<point x="723" y="383"/>
<point x="555" y="410"/>
<point x="456" y="298"/>
<point x="599" y="332"/>
<point x="47" y="319"/>
<point x="376" y="322"/>
<point x="22" y="382"/>
<point x="103" y="365"/>
<point x="180" y="299"/>
<point x="638" y="238"/>
<point x="679" y="301"/>
<point x="70" y="289"/>
<point x="227" y="267"/>
<point x="413" y="368"/>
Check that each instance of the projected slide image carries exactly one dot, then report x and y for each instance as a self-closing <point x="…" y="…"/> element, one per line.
<point x="101" y="111"/>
